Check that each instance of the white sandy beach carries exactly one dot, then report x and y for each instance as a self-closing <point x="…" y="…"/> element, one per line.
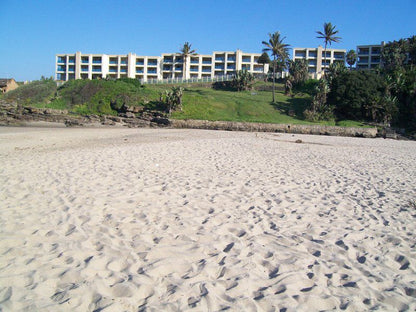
<point x="177" y="220"/>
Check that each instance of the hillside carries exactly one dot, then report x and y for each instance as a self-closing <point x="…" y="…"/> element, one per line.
<point x="201" y="101"/>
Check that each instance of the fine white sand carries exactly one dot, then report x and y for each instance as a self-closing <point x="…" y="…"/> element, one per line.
<point x="176" y="220"/>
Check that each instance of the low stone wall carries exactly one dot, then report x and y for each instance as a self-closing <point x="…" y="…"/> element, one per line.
<point x="285" y="128"/>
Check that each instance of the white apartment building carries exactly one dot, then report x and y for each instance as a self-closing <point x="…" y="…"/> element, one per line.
<point x="369" y="56"/>
<point x="316" y="58"/>
<point x="146" y="68"/>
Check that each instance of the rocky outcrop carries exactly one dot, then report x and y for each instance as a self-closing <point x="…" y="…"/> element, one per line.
<point x="286" y="128"/>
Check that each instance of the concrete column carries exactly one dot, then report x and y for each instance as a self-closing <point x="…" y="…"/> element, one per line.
<point x="78" y="65"/>
<point x="131" y="63"/>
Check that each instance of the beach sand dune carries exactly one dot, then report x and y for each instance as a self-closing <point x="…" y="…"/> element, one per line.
<point x="176" y="220"/>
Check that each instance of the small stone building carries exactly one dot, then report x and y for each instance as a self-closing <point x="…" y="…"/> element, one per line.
<point x="7" y="85"/>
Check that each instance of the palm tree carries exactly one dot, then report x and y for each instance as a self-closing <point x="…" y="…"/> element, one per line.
<point x="278" y="49"/>
<point x="186" y="51"/>
<point x="351" y="58"/>
<point x="329" y="36"/>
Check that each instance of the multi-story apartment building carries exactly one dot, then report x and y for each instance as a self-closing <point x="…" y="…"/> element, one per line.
<point x="369" y="56"/>
<point x="145" y="68"/>
<point x="315" y="57"/>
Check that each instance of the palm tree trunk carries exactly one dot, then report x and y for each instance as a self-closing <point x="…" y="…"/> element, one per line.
<point x="274" y="73"/>
<point x="325" y="60"/>
<point x="184" y="67"/>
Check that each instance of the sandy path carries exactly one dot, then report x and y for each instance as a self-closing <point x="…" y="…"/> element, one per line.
<point x="174" y="220"/>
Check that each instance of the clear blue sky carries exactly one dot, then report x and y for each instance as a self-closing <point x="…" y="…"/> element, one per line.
<point x="32" y="32"/>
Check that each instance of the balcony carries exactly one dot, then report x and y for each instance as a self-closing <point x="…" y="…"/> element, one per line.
<point x="231" y="59"/>
<point x="167" y="68"/>
<point x="363" y="51"/>
<point x="123" y="62"/>
<point x="219" y="66"/>
<point x="123" y="70"/>
<point x="168" y="60"/>
<point x="244" y="67"/>
<point x="312" y="54"/>
<point x="85" y="60"/>
<point x="375" y="51"/>
<point x="113" y="62"/>
<point x="84" y="68"/>
<point x="71" y="68"/>
<point x="258" y="68"/>
<point x="113" y="69"/>
<point x="71" y="60"/>
<point x="152" y="71"/>
<point x="96" y="60"/>
<point x="219" y="59"/>
<point x="141" y="62"/>
<point x="328" y="54"/>
<point x="194" y="60"/>
<point x="206" y="61"/>
<point x="152" y="62"/>
<point x="62" y="60"/>
<point x="61" y="68"/>
<point x="139" y="71"/>
<point x="96" y="69"/>
<point x="232" y="67"/>
<point x="206" y="70"/>
<point x="375" y="59"/>
<point x="312" y="63"/>
<point x="194" y="69"/>
<point x="246" y="59"/>
<point x="339" y="56"/>
<point x="300" y="54"/>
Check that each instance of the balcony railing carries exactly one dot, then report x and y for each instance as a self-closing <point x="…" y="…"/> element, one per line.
<point x="219" y="66"/>
<point x="363" y="52"/>
<point x="152" y="63"/>
<point x="206" y="62"/>
<point x="85" y="61"/>
<point x="206" y="70"/>
<point x="62" y="60"/>
<point x="219" y="59"/>
<point x="194" y="69"/>
<point x="139" y="71"/>
<point x="96" y="61"/>
<point x="152" y="71"/>
<point x="246" y="59"/>
<point x="193" y="61"/>
<point x="96" y="70"/>
<point x="113" y="70"/>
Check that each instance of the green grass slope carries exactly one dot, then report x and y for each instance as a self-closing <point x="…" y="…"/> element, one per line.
<point x="200" y="102"/>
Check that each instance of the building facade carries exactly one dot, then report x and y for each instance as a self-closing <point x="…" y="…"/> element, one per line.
<point x="147" y="68"/>
<point x="317" y="62"/>
<point x="369" y="56"/>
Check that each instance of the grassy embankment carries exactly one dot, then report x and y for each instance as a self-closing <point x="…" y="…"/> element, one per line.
<point x="199" y="101"/>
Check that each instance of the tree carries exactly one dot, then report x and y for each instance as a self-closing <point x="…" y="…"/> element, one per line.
<point x="264" y="59"/>
<point x="279" y="51"/>
<point x="242" y="80"/>
<point x="186" y="51"/>
<point x="173" y="98"/>
<point x="299" y="70"/>
<point x="360" y="95"/>
<point x="351" y="58"/>
<point x="329" y="36"/>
